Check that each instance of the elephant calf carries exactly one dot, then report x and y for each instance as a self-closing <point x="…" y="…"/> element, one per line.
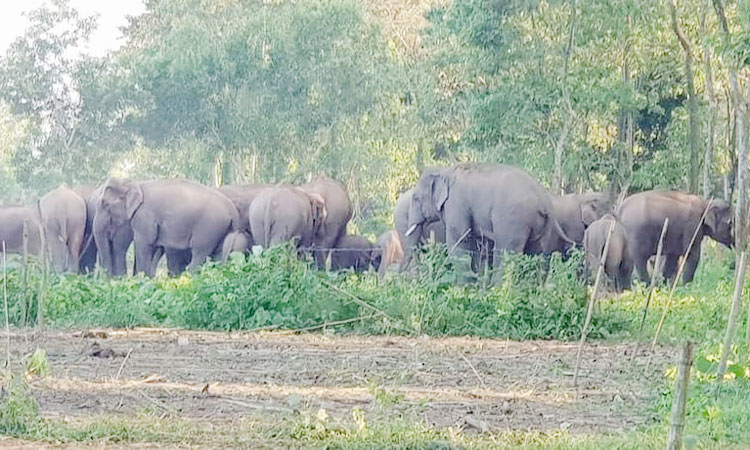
<point x="12" y="219"/>
<point x="389" y="251"/>
<point x="618" y="265"/>
<point x="352" y="252"/>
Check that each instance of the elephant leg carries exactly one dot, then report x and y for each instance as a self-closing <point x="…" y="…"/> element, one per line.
<point x="670" y="267"/>
<point x="641" y="266"/>
<point x="144" y="255"/>
<point x="691" y="264"/>
<point x="158" y="253"/>
<point x="177" y="261"/>
<point x="624" y="275"/>
<point x="508" y="240"/>
<point x="119" y="251"/>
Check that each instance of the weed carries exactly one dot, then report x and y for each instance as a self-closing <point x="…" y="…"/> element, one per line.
<point x="37" y="364"/>
<point x="19" y="412"/>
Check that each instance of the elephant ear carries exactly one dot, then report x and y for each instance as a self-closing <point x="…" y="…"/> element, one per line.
<point x="133" y="198"/>
<point x="439" y="190"/>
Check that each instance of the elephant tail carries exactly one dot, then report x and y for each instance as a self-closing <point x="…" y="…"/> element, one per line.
<point x="267" y="225"/>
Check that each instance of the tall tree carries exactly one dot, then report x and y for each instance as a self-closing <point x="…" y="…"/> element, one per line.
<point x="694" y="130"/>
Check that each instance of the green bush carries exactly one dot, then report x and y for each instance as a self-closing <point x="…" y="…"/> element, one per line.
<point x="19" y="412"/>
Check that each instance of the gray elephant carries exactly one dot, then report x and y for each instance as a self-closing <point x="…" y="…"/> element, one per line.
<point x="63" y="215"/>
<point x="643" y="216"/>
<point x="286" y="214"/>
<point x="12" y="219"/>
<point x="434" y="229"/>
<point x="388" y="252"/>
<point x="168" y="215"/>
<point x="618" y="265"/>
<point x="352" y="252"/>
<point x="575" y="212"/>
<point x="497" y="203"/>
<point x="338" y="213"/>
<point x="242" y="196"/>
<point x="112" y="237"/>
<point x="87" y="262"/>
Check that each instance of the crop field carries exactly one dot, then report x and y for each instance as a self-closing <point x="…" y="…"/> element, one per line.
<point x="361" y="369"/>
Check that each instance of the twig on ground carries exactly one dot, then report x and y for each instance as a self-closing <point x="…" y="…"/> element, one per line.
<point x="473" y="369"/>
<point x="119" y="371"/>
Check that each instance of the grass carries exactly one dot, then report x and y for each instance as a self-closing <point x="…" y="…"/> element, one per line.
<point x="278" y="291"/>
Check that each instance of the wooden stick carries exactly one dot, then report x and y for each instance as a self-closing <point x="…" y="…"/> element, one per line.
<point x="43" y="283"/>
<point x="654" y="276"/>
<point x="473" y="369"/>
<point x="676" y="280"/>
<point x="25" y="275"/>
<point x="119" y="371"/>
<point x="5" y="300"/>
<point x="677" y="425"/>
<point x="592" y="301"/>
<point x="734" y="314"/>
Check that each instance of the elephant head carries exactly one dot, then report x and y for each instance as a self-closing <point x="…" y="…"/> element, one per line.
<point x="718" y="222"/>
<point x="593" y="206"/>
<point x="428" y="199"/>
<point x="120" y="200"/>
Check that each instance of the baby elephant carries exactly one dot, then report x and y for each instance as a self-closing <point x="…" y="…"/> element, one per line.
<point x="618" y="264"/>
<point x="352" y="252"/>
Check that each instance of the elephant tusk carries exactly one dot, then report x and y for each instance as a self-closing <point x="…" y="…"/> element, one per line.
<point x="411" y="229"/>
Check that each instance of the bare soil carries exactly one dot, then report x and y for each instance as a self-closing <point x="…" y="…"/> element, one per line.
<point x="473" y="384"/>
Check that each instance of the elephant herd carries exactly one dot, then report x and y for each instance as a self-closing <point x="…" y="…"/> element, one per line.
<point x="481" y="210"/>
<point x="489" y="209"/>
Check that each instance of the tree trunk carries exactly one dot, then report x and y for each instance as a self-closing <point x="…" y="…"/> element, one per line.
<point x="692" y="101"/>
<point x="557" y="182"/>
<point x="711" y="122"/>
<point x="740" y="137"/>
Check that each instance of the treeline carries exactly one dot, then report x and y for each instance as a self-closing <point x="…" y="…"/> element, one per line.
<point x="584" y="94"/>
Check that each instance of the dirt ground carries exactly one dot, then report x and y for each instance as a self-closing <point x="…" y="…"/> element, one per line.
<point x="479" y="384"/>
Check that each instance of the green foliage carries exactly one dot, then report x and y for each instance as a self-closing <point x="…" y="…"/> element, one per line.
<point x="37" y="364"/>
<point x="277" y="290"/>
<point x="19" y="412"/>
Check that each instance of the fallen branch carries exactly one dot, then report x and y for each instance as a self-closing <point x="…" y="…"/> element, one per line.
<point x="474" y="370"/>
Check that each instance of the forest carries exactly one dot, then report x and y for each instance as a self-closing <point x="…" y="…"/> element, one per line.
<point x="611" y="96"/>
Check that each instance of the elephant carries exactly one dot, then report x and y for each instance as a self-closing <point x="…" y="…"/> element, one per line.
<point x="618" y="265"/>
<point x="389" y="251"/>
<point x="242" y="196"/>
<point x="112" y="238"/>
<point x="643" y="216"/>
<point x="12" y="219"/>
<point x="575" y="212"/>
<point x="429" y="230"/>
<point x="87" y="263"/>
<point x="352" y="252"/>
<point x="167" y="215"/>
<point x="494" y="202"/>
<point x="338" y="213"/>
<point x="63" y="215"/>
<point x="286" y="213"/>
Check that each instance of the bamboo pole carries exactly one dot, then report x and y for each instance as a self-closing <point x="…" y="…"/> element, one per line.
<point x="654" y="276"/>
<point x="592" y="301"/>
<point x="681" y="269"/>
<point x="5" y="301"/>
<point x="734" y="314"/>
<point x="677" y="425"/>
<point x="25" y="276"/>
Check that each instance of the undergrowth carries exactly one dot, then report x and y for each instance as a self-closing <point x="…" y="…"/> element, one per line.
<point x="277" y="290"/>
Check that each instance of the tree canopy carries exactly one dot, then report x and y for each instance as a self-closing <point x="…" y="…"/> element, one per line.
<point x="584" y="94"/>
